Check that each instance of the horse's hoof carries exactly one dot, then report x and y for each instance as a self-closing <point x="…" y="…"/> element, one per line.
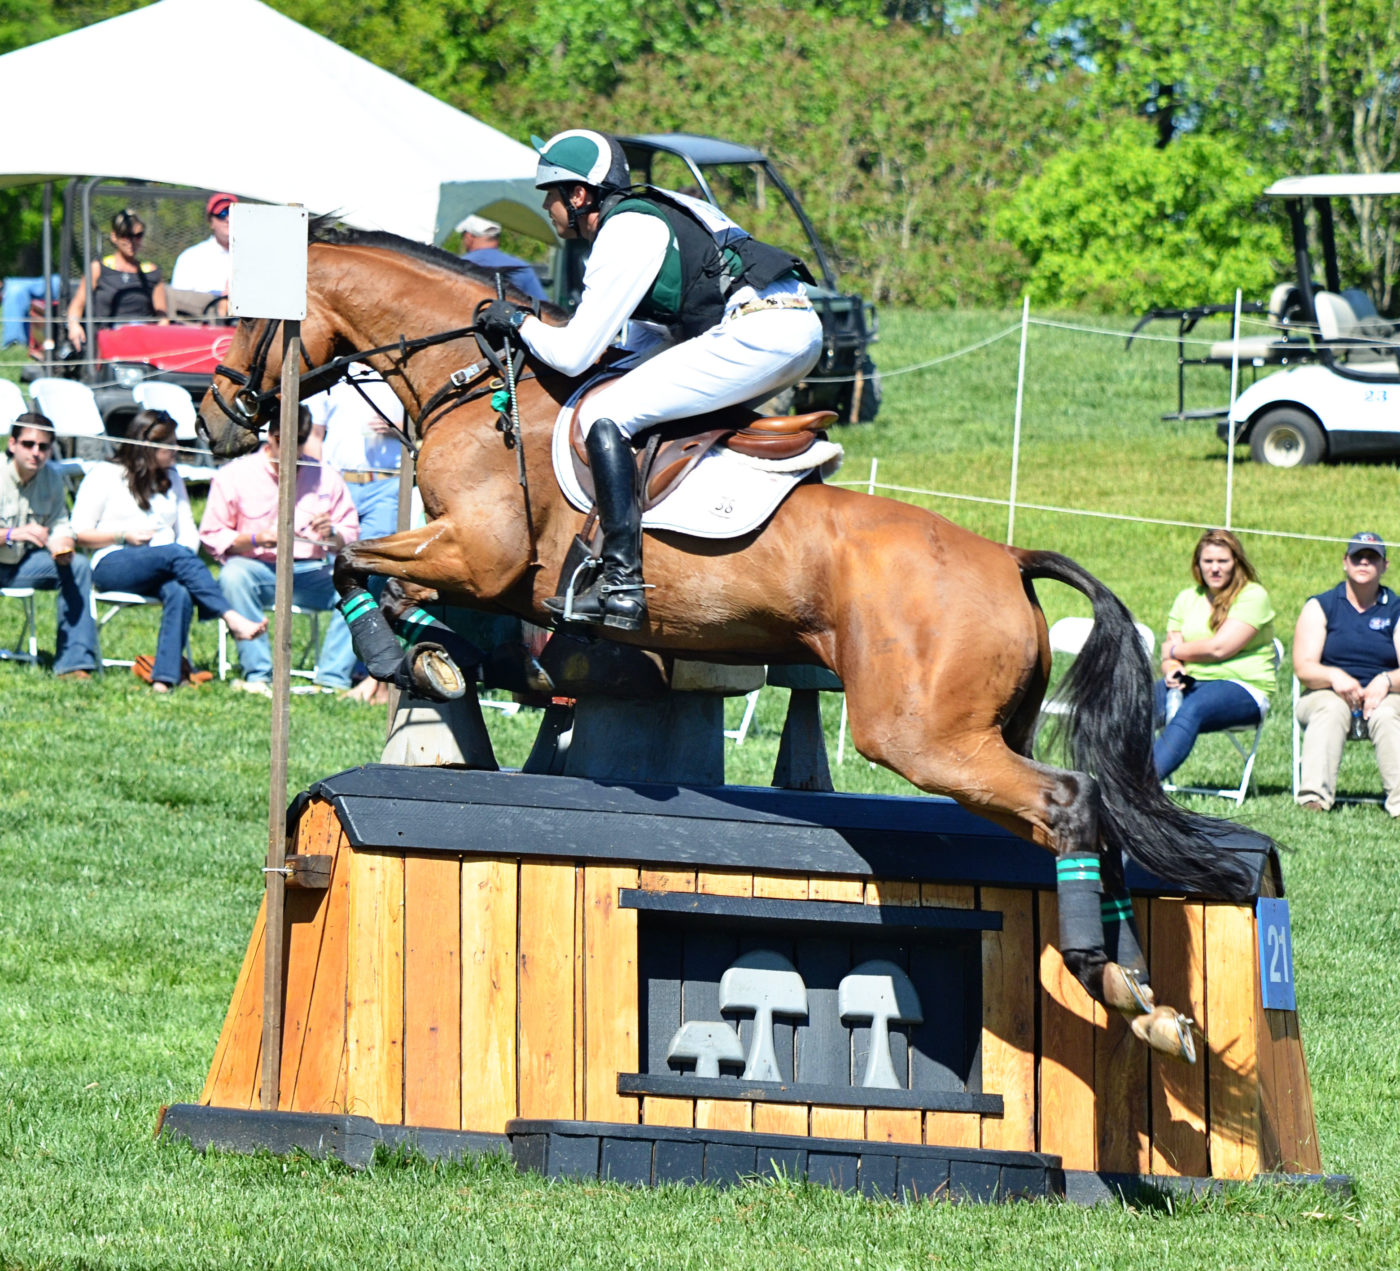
<point x="1168" y="1032"/>
<point x="1124" y="991"/>
<point x="435" y="675"/>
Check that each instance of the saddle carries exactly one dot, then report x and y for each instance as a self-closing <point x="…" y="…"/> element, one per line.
<point x="670" y="451"/>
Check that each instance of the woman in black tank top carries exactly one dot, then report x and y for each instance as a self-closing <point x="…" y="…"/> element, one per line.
<point x="123" y="285"/>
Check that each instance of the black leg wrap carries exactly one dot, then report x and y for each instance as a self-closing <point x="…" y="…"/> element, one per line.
<point x="375" y="644"/>
<point x="1121" y="935"/>
<point x="1080" y="888"/>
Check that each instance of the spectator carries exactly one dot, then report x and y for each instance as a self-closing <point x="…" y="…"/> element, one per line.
<point x="1346" y="651"/>
<point x="136" y="514"/>
<point x="204" y="267"/>
<point x="125" y="288"/>
<point x="38" y="547"/>
<point x="1223" y="627"/>
<point x="481" y="245"/>
<point x="240" y="530"/>
<point x="355" y="416"/>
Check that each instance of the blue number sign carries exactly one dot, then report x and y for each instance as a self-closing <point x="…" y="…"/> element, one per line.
<point x="1275" y="955"/>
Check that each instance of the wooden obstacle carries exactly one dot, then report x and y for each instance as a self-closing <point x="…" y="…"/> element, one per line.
<point x="468" y="951"/>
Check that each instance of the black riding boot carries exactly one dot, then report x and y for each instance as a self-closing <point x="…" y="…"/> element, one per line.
<point x="615" y="597"/>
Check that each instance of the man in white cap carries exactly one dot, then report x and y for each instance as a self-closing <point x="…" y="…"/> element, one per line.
<point x="740" y="325"/>
<point x="205" y="266"/>
<point x="481" y="244"/>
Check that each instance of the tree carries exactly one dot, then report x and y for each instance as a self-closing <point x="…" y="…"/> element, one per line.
<point x="1120" y="224"/>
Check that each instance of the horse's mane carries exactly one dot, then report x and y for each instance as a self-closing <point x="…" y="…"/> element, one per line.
<point x="324" y="229"/>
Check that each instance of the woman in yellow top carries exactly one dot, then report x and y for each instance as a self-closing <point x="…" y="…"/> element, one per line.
<point x="1218" y="650"/>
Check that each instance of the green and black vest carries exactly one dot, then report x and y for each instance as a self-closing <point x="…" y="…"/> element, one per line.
<point x="701" y="266"/>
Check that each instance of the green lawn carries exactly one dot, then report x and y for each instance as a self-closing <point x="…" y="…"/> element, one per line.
<point x="134" y="828"/>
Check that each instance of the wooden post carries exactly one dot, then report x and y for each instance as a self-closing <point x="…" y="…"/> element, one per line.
<point x="281" y="715"/>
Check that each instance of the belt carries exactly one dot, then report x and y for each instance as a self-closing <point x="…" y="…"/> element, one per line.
<point x="769" y="302"/>
<point x="363" y="478"/>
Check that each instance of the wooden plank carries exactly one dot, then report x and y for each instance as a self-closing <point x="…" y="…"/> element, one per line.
<point x="661" y="1111"/>
<point x="610" y="1000"/>
<point x="1275" y="1114"/>
<point x="838" y="1123"/>
<point x="780" y="887"/>
<point x="580" y="1064"/>
<point x="887" y="892"/>
<point x="953" y="1129"/>
<point x="780" y="1118"/>
<point x="233" y="1074"/>
<point x="546" y="971"/>
<point x="1177" y="961"/>
<point x="1232" y="995"/>
<point x="948" y="896"/>
<point x="432" y="1051"/>
<point x="1306" y="1153"/>
<point x="1008" y="1019"/>
<point x="1067" y="1060"/>
<point x="321" y="1071"/>
<point x="890" y="1125"/>
<point x="723" y="1114"/>
<point x="490" y="889"/>
<point x="850" y="890"/>
<point x="374" y="996"/>
<point x="666" y="880"/>
<point x="1120" y="1085"/>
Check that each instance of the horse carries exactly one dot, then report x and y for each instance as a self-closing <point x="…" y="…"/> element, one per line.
<point x="935" y="632"/>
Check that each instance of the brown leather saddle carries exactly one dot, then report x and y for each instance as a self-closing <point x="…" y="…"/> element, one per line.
<point x="670" y="451"/>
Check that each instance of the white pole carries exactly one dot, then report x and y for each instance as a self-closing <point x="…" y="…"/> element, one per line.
<point x="1229" y="421"/>
<point x="1016" y="432"/>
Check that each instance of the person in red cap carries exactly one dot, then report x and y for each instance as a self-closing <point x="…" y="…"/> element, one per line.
<point x="205" y="266"/>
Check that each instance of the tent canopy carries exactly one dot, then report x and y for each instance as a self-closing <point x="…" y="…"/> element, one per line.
<point x="311" y="124"/>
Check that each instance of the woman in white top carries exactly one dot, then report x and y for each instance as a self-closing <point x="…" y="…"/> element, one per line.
<point x="134" y="516"/>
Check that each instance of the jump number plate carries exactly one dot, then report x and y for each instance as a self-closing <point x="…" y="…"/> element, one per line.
<point x="1275" y="955"/>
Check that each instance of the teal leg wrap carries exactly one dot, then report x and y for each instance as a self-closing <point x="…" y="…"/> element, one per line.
<point x="1079" y="883"/>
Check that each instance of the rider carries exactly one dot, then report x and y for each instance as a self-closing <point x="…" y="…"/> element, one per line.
<point x="738" y="328"/>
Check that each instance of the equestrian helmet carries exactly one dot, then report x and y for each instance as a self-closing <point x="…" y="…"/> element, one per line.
<point x="582" y="156"/>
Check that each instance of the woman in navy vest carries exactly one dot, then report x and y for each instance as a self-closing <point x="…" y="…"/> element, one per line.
<point x="1346" y="653"/>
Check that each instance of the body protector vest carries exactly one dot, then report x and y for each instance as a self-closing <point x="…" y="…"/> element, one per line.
<point x="707" y="258"/>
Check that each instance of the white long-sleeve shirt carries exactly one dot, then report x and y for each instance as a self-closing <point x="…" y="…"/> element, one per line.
<point x="105" y="502"/>
<point x="626" y="257"/>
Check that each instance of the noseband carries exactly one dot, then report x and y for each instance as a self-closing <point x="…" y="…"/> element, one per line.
<point x="250" y="403"/>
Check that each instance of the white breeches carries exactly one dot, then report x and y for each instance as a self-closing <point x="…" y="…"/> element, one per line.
<point x="743" y="360"/>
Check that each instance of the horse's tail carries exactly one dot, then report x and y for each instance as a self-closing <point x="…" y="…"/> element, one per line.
<point x="1107" y="733"/>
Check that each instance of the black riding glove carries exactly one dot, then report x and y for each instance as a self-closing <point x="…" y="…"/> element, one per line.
<point x="500" y="319"/>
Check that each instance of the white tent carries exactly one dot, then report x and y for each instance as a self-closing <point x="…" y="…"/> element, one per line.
<point x="281" y="115"/>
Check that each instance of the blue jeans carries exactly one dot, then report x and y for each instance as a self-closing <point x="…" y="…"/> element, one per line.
<point x="76" y="648"/>
<point x="1207" y="707"/>
<point x="251" y="586"/>
<point x="377" y="502"/>
<point x="179" y="579"/>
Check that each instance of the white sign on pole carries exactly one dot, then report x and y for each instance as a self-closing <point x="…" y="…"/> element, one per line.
<point x="267" y="255"/>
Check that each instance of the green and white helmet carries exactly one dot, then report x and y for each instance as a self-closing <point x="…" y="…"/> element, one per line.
<point x="579" y="155"/>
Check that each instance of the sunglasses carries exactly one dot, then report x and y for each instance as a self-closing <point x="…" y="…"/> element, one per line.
<point x="220" y="216"/>
<point x="36" y="445"/>
<point x="134" y="237"/>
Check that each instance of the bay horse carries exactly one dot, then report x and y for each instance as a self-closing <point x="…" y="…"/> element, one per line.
<point x="935" y="632"/>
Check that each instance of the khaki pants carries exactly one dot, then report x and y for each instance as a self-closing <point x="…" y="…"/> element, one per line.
<point x="1326" y="719"/>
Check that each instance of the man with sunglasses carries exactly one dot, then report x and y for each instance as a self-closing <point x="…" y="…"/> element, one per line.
<point x="37" y="546"/>
<point x="205" y="266"/>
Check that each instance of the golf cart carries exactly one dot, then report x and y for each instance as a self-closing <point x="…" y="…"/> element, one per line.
<point x="1337" y="394"/>
<point x="744" y="183"/>
<point x="183" y="352"/>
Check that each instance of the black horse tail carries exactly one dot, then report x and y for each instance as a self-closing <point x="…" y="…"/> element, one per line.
<point x="1106" y="731"/>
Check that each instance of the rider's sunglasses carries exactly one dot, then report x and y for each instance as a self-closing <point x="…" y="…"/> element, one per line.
<point x="36" y="445"/>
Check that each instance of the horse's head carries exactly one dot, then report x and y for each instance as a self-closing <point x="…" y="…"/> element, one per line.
<point x="244" y="392"/>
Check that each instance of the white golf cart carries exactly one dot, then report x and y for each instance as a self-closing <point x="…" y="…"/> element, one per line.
<point x="1337" y="395"/>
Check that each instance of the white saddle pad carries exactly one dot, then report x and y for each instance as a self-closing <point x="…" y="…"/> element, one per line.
<point x="724" y="495"/>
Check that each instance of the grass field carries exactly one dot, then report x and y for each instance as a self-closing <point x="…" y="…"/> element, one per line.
<point x="134" y="828"/>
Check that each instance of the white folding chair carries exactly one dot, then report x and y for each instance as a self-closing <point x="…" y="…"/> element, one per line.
<point x="1237" y="737"/>
<point x="30" y="635"/>
<point x="173" y="400"/>
<point x="70" y="406"/>
<point x="737" y="735"/>
<point x="1298" y="757"/>
<point x="12" y="403"/>
<point x="116" y="602"/>
<point x="308" y="654"/>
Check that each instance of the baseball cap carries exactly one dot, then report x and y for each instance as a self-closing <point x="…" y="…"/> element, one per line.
<point x="478" y="226"/>
<point x="217" y="203"/>
<point x="1366" y="541"/>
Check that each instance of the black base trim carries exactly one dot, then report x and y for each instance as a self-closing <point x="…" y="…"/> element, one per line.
<point x="832" y="913"/>
<point x="1087" y="1187"/>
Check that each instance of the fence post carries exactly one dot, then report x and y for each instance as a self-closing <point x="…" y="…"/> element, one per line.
<point x="1016" y="431"/>
<point x="1230" y="423"/>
